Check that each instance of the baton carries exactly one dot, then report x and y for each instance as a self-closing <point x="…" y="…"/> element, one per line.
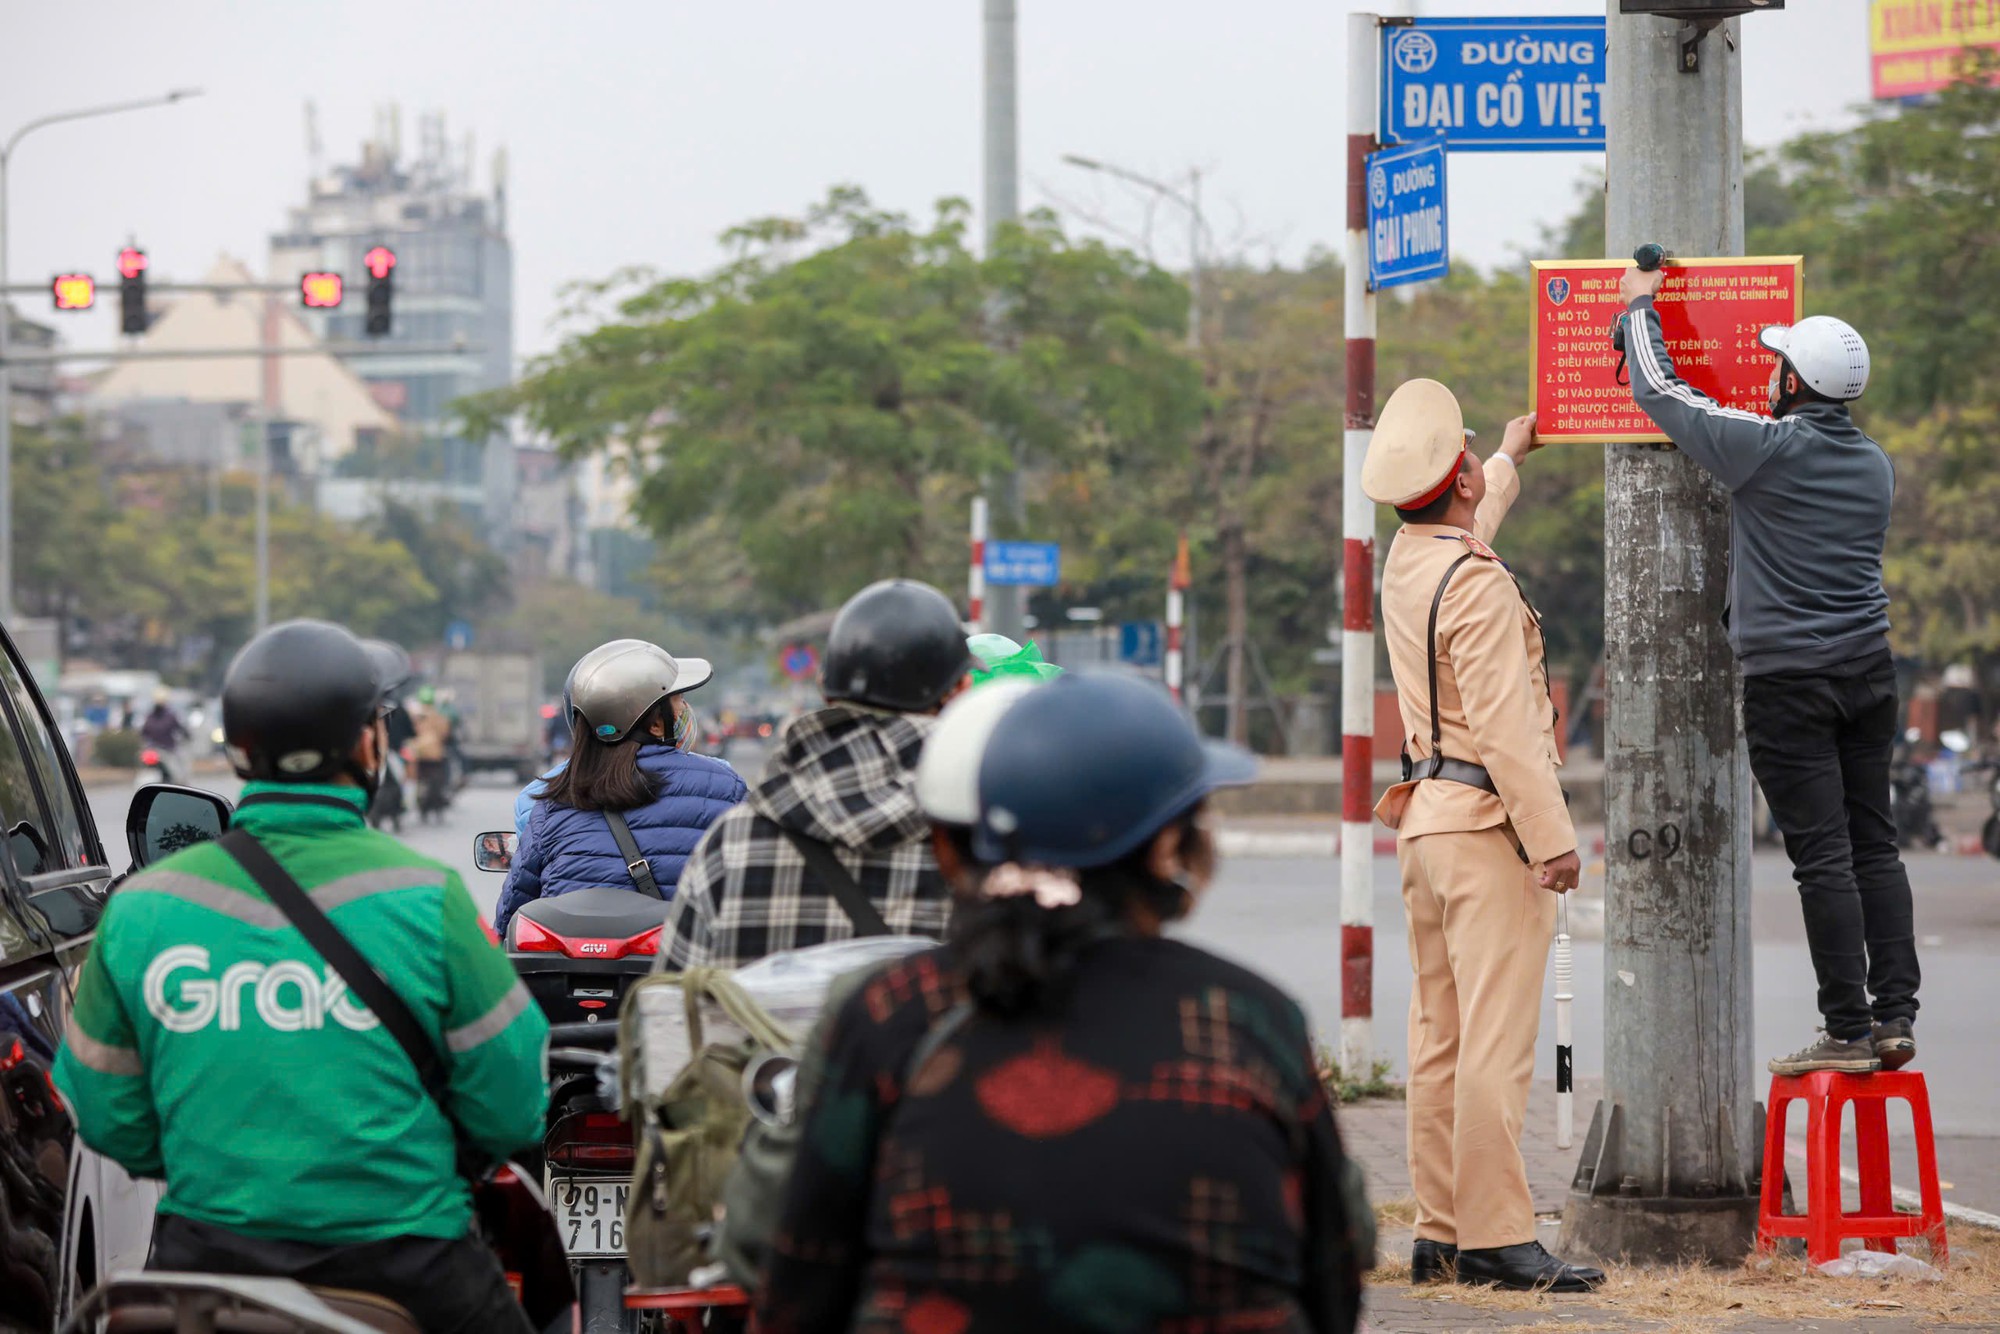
<point x="1565" y="1099"/>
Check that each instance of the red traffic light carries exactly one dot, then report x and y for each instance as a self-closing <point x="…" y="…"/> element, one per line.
<point x="74" y="291"/>
<point x="131" y="262"/>
<point x="379" y="261"/>
<point x="320" y="291"/>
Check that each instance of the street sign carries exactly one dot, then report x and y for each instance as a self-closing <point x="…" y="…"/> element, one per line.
<point x="799" y="662"/>
<point x="1023" y="564"/>
<point x="1711" y="310"/>
<point x="458" y="636"/>
<point x="1920" y="46"/>
<point x="1407" y="237"/>
<point x="1141" y="643"/>
<point x="1495" y="85"/>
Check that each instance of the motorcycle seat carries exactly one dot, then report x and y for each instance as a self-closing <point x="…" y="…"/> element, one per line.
<point x="604" y="913"/>
<point x="147" y="1316"/>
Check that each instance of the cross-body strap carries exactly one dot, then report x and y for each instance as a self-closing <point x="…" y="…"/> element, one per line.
<point x="635" y="861"/>
<point x="363" y="982"/>
<point x="1431" y="652"/>
<point x="835" y="880"/>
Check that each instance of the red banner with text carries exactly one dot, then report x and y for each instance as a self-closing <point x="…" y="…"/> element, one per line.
<point x="1711" y="311"/>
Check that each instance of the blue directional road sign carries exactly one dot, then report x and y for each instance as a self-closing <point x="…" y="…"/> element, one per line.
<point x="1025" y="564"/>
<point x="458" y="636"/>
<point x="1141" y="643"/>
<point x="1408" y="240"/>
<point x="1495" y="85"/>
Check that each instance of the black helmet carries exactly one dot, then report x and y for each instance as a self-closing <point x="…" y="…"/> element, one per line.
<point x="295" y="701"/>
<point x="393" y="668"/>
<point x="896" y="645"/>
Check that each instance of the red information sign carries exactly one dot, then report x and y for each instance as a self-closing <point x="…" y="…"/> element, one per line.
<point x="1711" y="311"/>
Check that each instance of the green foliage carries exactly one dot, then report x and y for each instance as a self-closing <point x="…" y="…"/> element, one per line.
<point x="561" y="621"/>
<point x="820" y="417"/>
<point x="1943" y="564"/>
<point x="468" y="579"/>
<point x="115" y="748"/>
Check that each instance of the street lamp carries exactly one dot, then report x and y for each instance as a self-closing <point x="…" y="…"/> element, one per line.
<point x="1197" y="224"/>
<point x="7" y="323"/>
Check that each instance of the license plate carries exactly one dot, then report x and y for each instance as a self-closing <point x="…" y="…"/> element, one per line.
<point x="591" y="1213"/>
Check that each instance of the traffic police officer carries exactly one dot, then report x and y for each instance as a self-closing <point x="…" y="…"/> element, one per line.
<point x="1482" y="836"/>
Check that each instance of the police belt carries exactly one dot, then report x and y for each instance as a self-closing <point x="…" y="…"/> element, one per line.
<point x="1452" y="771"/>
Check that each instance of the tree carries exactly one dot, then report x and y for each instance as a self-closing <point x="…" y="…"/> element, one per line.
<point x="826" y="403"/>
<point x="468" y="578"/>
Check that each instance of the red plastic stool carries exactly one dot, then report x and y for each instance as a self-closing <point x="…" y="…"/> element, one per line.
<point x="1824" y="1224"/>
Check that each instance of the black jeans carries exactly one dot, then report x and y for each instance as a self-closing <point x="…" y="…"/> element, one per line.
<point x="1819" y="745"/>
<point x="451" y="1287"/>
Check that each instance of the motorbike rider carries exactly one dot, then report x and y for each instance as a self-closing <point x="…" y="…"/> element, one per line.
<point x="163" y="727"/>
<point x="839" y="792"/>
<point x="1809" y="506"/>
<point x="209" y="1045"/>
<point x="1015" y="1074"/>
<point x="393" y="665"/>
<point x="632" y="724"/>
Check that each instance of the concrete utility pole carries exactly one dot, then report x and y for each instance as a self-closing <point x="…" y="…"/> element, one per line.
<point x="1671" y="1165"/>
<point x="1007" y="607"/>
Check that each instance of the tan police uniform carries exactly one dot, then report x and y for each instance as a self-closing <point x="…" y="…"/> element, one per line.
<point x="1468" y="842"/>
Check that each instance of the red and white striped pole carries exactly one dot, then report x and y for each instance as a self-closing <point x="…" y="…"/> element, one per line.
<point x="1357" y="637"/>
<point x="1178" y="582"/>
<point x="975" y="579"/>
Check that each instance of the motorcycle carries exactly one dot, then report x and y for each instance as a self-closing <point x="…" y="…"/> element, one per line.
<point x="1910" y="797"/>
<point x="1989" y="832"/>
<point x="578" y="954"/>
<point x="388" y="806"/>
<point x="434" y="789"/>
<point x="158" y="765"/>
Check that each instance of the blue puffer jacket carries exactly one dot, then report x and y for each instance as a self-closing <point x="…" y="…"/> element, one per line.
<point x="564" y="849"/>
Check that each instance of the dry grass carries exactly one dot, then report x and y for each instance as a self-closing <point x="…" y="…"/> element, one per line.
<point x="1693" y="1299"/>
<point x="1400" y="1212"/>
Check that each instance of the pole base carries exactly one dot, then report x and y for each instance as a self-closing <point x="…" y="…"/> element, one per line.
<point x="1610" y="1229"/>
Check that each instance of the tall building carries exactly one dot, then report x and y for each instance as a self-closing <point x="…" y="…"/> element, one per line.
<point x="453" y="324"/>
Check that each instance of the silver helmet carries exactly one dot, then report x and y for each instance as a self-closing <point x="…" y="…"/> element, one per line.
<point x="615" y="685"/>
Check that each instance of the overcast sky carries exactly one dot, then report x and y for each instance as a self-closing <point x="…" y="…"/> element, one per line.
<point x="639" y="129"/>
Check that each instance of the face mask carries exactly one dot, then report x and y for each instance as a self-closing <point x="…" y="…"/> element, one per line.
<point x="683" y="727"/>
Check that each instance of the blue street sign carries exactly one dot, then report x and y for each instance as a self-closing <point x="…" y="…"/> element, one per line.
<point x="1495" y="85"/>
<point x="1026" y="564"/>
<point x="1408" y="240"/>
<point x="458" y="636"/>
<point x="1141" y="643"/>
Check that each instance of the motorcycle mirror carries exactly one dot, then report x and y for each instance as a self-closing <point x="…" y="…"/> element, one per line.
<point x="495" y="851"/>
<point x="1914" y="735"/>
<point x="1955" y="741"/>
<point x="770" y="1086"/>
<point x="164" y="818"/>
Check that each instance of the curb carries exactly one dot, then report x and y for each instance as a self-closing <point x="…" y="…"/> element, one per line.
<point x="1283" y="843"/>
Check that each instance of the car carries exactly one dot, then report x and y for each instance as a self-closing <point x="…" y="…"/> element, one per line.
<point x="54" y="879"/>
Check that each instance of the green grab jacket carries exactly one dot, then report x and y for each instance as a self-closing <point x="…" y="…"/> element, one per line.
<point x="209" y="1045"/>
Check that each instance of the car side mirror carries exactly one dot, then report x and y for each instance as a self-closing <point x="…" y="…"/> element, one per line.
<point x="165" y="818"/>
<point x="495" y="851"/>
<point x="770" y="1085"/>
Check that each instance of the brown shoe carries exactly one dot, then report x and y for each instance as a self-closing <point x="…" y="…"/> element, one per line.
<point x="1895" y="1044"/>
<point x="1848" y="1056"/>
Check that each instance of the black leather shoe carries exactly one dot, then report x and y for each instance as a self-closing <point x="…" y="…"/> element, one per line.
<point x="1431" y="1261"/>
<point x="1525" y="1268"/>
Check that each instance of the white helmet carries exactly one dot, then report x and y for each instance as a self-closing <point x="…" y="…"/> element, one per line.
<point x="1827" y="354"/>
<point x="948" y="773"/>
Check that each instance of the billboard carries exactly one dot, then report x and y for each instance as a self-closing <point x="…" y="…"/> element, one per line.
<point x="1916" y="46"/>
<point x="1711" y="311"/>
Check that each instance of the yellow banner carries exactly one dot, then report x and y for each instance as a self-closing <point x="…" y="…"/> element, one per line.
<point x="1912" y="27"/>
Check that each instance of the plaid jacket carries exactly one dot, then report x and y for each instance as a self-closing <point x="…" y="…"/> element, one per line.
<point x="843" y="775"/>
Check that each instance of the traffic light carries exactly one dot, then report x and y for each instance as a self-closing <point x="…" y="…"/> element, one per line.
<point x="74" y="291"/>
<point x="132" y="290"/>
<point x="381" y="264"/>
<point x="320" y="291"/>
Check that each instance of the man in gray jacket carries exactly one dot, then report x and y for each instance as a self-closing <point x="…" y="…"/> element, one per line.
<point x="1809" y="619"/>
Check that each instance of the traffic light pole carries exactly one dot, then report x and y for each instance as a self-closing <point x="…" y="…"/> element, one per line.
<point x="1670" y="1169"/>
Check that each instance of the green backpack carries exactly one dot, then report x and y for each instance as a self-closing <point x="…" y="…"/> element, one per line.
<point x="688" y="1133"/>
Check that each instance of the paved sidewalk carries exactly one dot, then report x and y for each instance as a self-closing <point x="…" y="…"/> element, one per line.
<point x="1373" y="1133"/>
